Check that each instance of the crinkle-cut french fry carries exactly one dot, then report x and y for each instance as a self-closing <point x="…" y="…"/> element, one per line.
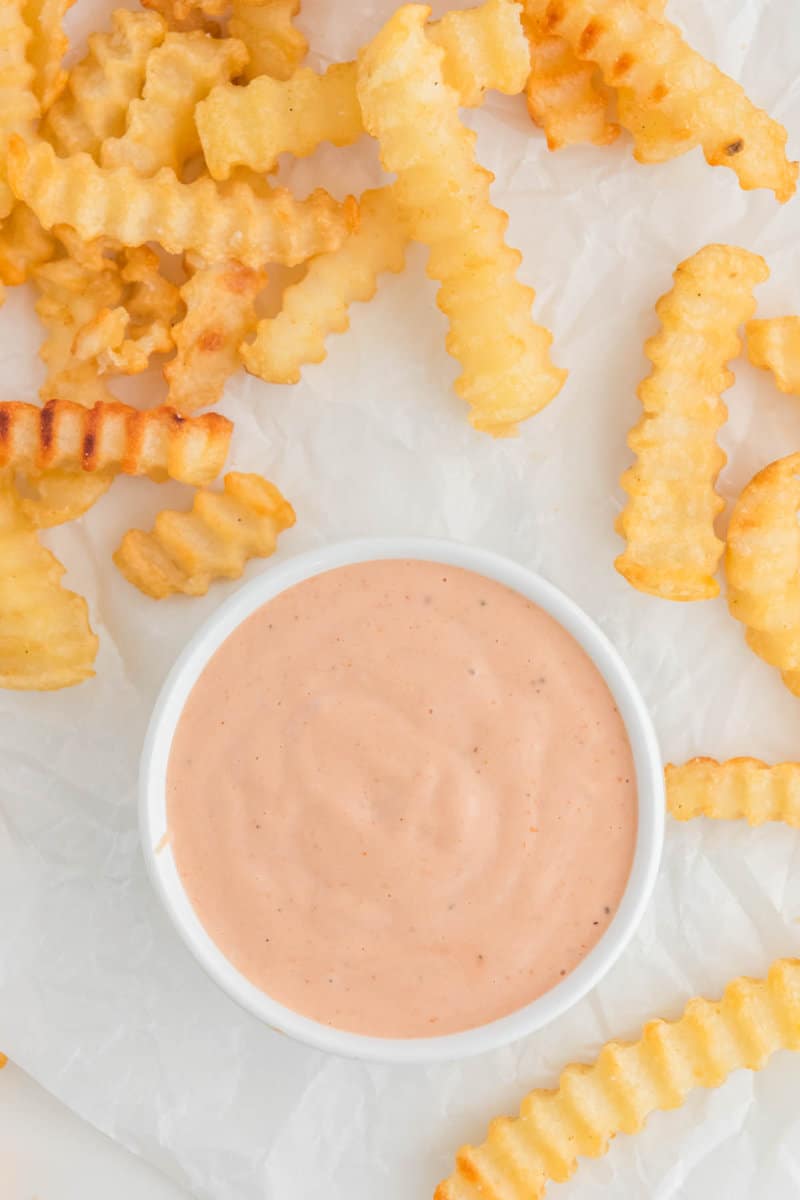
<point x="275" y="45"/>
<point x="71" y="296"/>
<point x="670" y="97"/>
<point x="158" y="442"/>
<point x="565" y="96"/>
<point x="94" y="104"/>
<point x="47" y="47"/>
<point x="23" y="245"/>
<point x="56" y="497"/>
<point x="627" y="1082"/>
<point x="774" y="344"/>
<point x="762" y="565"/>
<point x="161" y="131"/>
<point x="45" y="638"/>
<point x="739" y="789"/>
<point x="181" y="216"/>
<point x="19" y="108"/>
<point x="220" y="313"/>
<point x="484" y="48"/>
<point x="252" y="125"/>
<point x="187" y="551"/>
<point x="443" y="195"/>
<point x="319" y="303"/>
<point x="668" y="521"/>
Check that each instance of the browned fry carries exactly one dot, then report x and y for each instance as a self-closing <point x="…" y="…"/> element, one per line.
<point x="187" y="551"/>
<point x="220" y="313"/>
<point x="159" y="443"/>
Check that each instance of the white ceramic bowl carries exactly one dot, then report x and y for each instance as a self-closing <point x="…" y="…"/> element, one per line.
<point x="649" y="778"/>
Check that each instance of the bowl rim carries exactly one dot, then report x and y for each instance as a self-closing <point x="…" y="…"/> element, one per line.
<point x="163" y="873"/>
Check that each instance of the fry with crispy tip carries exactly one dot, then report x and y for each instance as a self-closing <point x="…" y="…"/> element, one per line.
<point x="774" y="344"/>
<point x="484" y="48"/>
<point x="195" y="216"/>
<point x="187" y="551"/>
<point x="762" y="565"/>
<point x="161" y="130"/>
<point x="275" y="45"/>
<point x="564" y="94"/>
<point x="157" y="442"/>
<point x="627" y="1082"/>
<point x="668" y="522"/>
<point x="443" y="196"/>
<point x="319" y="304"/>
<point x="670" y="98"/>
<point x="220" y="313"/>
<point x="739" y="789"/>
<point x="99" y="89"/>
<point x="45" y="639"/>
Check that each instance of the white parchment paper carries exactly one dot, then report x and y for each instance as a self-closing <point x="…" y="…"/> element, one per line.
<point x="99" y="1000"/>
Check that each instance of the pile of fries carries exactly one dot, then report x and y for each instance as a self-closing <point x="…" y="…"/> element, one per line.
<point x="136" y="198"/>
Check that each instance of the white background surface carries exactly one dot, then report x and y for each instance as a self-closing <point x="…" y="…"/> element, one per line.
<point x="97" y="998"/>
<point x="47" y="1153"/>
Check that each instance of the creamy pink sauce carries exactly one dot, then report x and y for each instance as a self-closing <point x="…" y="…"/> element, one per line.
<point x="401" y="799"/>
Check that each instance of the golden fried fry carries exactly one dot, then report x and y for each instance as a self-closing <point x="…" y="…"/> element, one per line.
<point x="762" y="564"/>
<point x="670" y="97"/>
<point x="444" y="197"/>
<point x="220" y="312"/>
<point x="740" y="789"/>
<point x="181" y="216"/>
<point x="318" y="305"/>
<point x="45" y="638"/>
<point x="23" y="245"/>
<point x="668" y="521"/>
<point x="187" y="551"/>
<point x="180" y="73"/>
<point x="19" y="108"/>
<point x="627" y="1082"/>
<point x="47" y="47"/>
<point x="113" y="437"/>
<point x="774" y="344"/>
<point x="71" y="297"/>
<point x="252" y="125"/>
<point x="565" y="96"/>
<point x="99" y="89"/>
<point x="484" y="48"/>
<point x="274" y="45"/>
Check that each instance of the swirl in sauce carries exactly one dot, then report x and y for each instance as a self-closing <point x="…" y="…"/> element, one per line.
<point x="401" y="799"/>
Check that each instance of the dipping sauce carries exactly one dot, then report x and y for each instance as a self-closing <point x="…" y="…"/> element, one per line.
<point x="401" y="799"/>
